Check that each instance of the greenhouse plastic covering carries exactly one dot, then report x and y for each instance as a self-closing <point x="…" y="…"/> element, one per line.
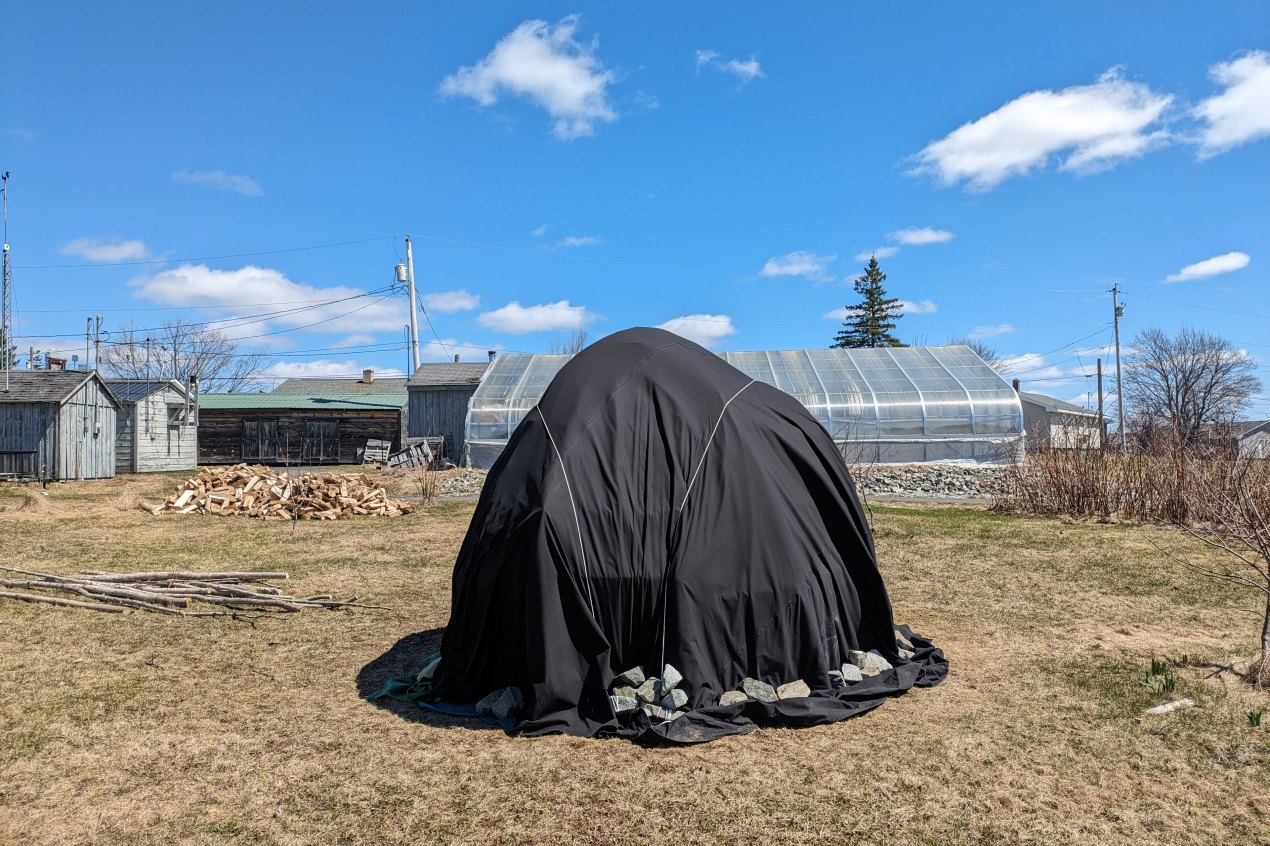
<point x="884" y="405"/>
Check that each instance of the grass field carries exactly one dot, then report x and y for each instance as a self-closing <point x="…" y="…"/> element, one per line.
<point x="140" y="728"/>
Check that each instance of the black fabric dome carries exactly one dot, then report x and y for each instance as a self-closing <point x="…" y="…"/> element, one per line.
<point x="661" y="507"/>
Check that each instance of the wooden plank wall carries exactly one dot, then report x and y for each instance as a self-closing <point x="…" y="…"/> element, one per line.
<point x="160" y="446"/>
<point x="86" y="425"/>
<point x="441" y="411"/>
<point x="220" y="432"/>
<point x="26" y="438"/>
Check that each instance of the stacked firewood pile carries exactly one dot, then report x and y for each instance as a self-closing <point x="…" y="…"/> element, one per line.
<point x="228" y="594"/>
<point x="263" y="492"/>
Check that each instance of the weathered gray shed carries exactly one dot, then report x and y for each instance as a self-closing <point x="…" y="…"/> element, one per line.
<point x="439" y="394"/>
<point x="57" y="424"/>
<point x="156" y="428"/>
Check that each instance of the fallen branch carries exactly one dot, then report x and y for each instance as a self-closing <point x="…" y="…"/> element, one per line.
<point x="53" y="600"/>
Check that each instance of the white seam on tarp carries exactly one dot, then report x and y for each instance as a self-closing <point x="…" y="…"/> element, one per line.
<point x="706" y="451"/>
<point x="586" y="576"/>
<point x="665" y="581"/>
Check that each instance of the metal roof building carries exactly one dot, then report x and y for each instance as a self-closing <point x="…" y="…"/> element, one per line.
<point x="155" y="429"/>
<point x="886" y="405"/>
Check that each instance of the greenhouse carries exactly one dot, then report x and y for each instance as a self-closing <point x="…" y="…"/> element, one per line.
<point x="895" y="405"/>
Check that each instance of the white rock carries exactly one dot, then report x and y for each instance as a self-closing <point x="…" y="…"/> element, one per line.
<point x="797" y="689"/>
<point x="732" y="697"/>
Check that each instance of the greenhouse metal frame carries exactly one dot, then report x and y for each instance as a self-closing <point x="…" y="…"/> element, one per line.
<point x="889" y="405"/>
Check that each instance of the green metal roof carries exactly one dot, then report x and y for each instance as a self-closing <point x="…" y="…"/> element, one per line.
<point x="332" y="402"/>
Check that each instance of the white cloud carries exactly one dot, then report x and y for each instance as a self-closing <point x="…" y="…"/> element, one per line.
<point x="839" y="313"/>
<point x="221" y="181"/>
<point x="548" y="317"/>
<point x="20" y="134"/>
<point x="799" y="263"/>
<point x="356" y="340"/>
<point x="580" y="241"/>
<point x="880" y="252"/>
<point x="248" y="291"/>
<point x="1095" y="126"/>
<point x="1240" y="113"/>
<point x="706" y="329"/>
<point x="991" y="331"/>
<point x="548" y="66"/>
<point x="1225" y="263"/>
<point x="746" y="71"/>
<point x="914" y="237"/>
<point x="918" y="307"/>
<point x="106" y="249"/>
<point x="449" y="302"/>
<point x="541" y="230"/>
<point x="327" y="368"/>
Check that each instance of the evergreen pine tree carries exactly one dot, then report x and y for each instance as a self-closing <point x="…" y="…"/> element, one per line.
<point x="870" y="322"/>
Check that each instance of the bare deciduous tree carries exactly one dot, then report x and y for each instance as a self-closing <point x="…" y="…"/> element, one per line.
<point x="571" y="345"/>
<point x="179" y="350"/>
<point x="990" y="356"/>
<point x="1187" y="381"/>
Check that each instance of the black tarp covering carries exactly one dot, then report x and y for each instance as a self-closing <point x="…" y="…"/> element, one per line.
<point x="662" y="507"/>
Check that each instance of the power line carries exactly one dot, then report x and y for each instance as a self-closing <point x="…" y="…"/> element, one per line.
<point x="1204" y="307"/>
<point x="202" y="258"/>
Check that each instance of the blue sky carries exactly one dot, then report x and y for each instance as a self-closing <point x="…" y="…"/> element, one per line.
<point x="720" y="169"/>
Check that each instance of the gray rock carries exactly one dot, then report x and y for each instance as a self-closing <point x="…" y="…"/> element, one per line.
<point x="851" y="674"/>
<point x="797" y="689"/>
<point x="732" y="697"/>
<point x="648" y="690"/>
<point x="903" y="642"/>
<point x="629" y="692"/>
<point x="762" y="691"/>
<point x="508" y="702"/>
<point x="857" y="658"/>
<point x="624" y="703"/>
<point x="670" y="679"/>
<point x="429" y="669"/>
<point x="674" y="700"/>
<point x="633" y="677"/>
<point x="658" y="714"/>
<point x="907" y="654"/>
<point x="501" y="703"/>
<point x="876" y="660"/>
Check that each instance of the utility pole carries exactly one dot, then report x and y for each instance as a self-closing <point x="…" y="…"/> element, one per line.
<point x="405" y="331"/>
<point x="1117" y="312"/>
<point x="1102" y="424"/>
<point x="414" y="320"/>
<point x="97" y="345"/>
<point x="6" y="294"/>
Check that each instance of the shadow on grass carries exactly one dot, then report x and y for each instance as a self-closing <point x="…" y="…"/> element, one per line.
<point x="402" y="660"/>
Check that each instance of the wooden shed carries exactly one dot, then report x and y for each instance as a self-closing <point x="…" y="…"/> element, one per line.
<point x="439" y="395"/>
<point x="295" y="429"/>
<point x="156" y="426"/>
<point x="57" y="424"/>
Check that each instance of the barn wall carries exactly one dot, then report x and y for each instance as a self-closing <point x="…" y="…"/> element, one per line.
<point x="86" y="426"/>
<point x="161" y="446"/>
<point x="27" y="434"/>
<point x="220" y="433"/>
<point x="440" y="411"/>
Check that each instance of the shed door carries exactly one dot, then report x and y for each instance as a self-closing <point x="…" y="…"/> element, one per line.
<point x="322" y="440"/>
<point x="260" y="440"/>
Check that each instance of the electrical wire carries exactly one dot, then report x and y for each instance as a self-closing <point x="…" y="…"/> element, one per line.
<point x="201" y="258"/>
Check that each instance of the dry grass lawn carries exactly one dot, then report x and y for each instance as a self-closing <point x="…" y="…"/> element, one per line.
<point x="140" y="728"/>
